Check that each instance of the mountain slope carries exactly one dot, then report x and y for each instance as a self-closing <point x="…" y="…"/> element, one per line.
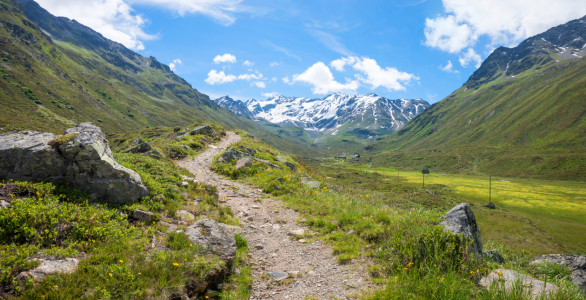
<point x="57" y="72"/>
<point x="533" y="125"/>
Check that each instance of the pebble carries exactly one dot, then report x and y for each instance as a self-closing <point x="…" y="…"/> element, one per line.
<point x="301" y="241"/>
<point x="259" y="246"/>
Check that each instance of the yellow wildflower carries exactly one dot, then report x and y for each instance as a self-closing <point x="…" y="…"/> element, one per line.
<point x="120" y="261"/>
<point x="500" y="273"/>
<point x="175" y="264"/>
<point x="110" y="274"/>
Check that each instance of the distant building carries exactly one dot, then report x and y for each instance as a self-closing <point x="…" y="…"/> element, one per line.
<point x="355" y="156"/>
<point x="342" y="157"/>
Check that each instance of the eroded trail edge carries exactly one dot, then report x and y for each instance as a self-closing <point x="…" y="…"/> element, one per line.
<point x="313" y="271"/>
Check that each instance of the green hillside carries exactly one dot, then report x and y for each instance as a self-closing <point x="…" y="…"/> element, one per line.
<point x="533" y="126"/>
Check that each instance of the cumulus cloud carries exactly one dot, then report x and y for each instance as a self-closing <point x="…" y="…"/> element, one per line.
<point x="215" y="77"/>
<point x="274" y="64"/>
<point x="374" y="75"/>
<point x="270" y="95"/>
<point x="274" y="79"/>
<point x="470" y="56"/>
<point x="322" y="80"/>
<point x="286" y="80"/>
<point x="174" y="64"/>
<point x="502" y="21"/>
<point x="226" y="58"/>
<point x="116" y="19"/>
<point x="249" y="77"/>
<point x="247" y="63"/>
<point x="259" y="84"/>
<point x="448" y="68"/>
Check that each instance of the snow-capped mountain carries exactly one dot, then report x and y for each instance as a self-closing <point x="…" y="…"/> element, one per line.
<point x="236" y="106"/>
<point x="365" y="116"/>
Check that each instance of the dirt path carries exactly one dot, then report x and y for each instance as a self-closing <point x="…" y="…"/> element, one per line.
<point x="266" y="225"/>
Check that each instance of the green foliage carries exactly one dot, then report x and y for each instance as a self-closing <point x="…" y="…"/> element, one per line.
<point x="63" y="139"/>
<point x="176" y="151"/>
<point x="13" y="260"/>
<point x="160" y="176"/>
<point x="30" y="94"/>
<point x="178" y="241"/>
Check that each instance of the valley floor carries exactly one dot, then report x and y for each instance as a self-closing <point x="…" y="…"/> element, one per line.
<point x="314" y="271"/>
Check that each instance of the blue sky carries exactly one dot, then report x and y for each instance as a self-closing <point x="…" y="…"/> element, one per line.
<point x="252" y="48"/>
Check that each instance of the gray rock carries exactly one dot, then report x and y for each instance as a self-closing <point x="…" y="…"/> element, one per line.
<point x="141" y="215"/>
<point x="4" y="204"/>
<point x="154" y="153"/>
<point x="296" y="232"/>
<point x="311" y="184"/>
<point x="461" y="220"/>
<point x="576" y="263"/>
<point x="250" y="136"/>
<point x="141" y="148"/>
<point x="510" y="277"/>
<point x="185" y="215"/>
<point x="231" y="155"/>
<point x="305" y="176"/>
<point x="136" y="141"/>
<point x="214" y="238"/>
<point x="281" y="159"/>
<point x="49" y="267"/>
<point x="278" y="276"/>
<point x="490" y="205"/>
<point x="204" y="130"/>
<point x="493" y="256"/>
<point x="85" y="163"/>
<point x="243" y="163"/>
<point x="291" y="166"/>
<point x="337" y="188"/>
<point x="251" y="151"/>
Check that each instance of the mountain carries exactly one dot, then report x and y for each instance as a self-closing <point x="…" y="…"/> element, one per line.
<point x="56" y="72"/>
<point x="355" y="119"/>
<point x="235" y="106"/>
<point x="527" y="120"/>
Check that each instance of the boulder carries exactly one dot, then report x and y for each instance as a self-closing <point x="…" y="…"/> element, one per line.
<point x="243" y="163"/>
<point x="510" y="277"/>
<point x="4" y="204"/>
<point x="291" y="166"/>
<point x="305" y="176"/>
<point x="493" y="256"/>
<point x="281" y="159"/>
<point x="140" y="148"/>
<point x="250" y="136"/>
<point x="136" y="141"/>
<point x="82" y="159"/>
<point x="154" y="154"/>
<point x="231" y="155"/>
<point x="251" y="151"/>
<point x="214" y="238"/>
<point x="337" y="188"/>
<point x="490" y="205"/>
<point x="461" y="220"/>
<point x="576" y="263"/>
<point x="141" y="215"/>
<point x="185" y="215"/>
<point x="204" y="130"/>
<point x="49" y="267"/>
<point x="311" y="184"/>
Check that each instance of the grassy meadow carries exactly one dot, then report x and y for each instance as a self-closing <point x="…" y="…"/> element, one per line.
<point x="541" y="216"/>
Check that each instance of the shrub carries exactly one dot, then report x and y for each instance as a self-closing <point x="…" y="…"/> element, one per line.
<point x="29" y="93"/>
<point x="176" y="152"/>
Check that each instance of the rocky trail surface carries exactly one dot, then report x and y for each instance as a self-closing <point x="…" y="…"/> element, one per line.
<point x="283" y="267"/>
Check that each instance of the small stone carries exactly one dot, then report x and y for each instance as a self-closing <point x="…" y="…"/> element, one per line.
<point x="278" y="276"/>
<point x="295" y="273"/>
<point x="141" y="215"/>
<point x="301" y="241"/>
<point x="276" y="227"/>
<point x="258" y="247"/>
<point x="255" y="207"/>
<point x="185" y="215"/>
<point x="244" y="163"/>
<point x="337" y="188"/>
<point x="4" y="204"/>
<point x="184" y="183"/>
<point x="311" y="273"/>
<point x="249" y="219"/>
<point x="490" y="205"/>
<point x="296" y="232"/>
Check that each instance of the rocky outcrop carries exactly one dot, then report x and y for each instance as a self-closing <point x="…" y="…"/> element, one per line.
<point x="49" y="267"/>
<point x="493" y="256"/>
<point x="243" y="163"/>
<point x="214" y="238"/>
<point x="510" y="277"/>
<point x="576" y="263"/>
<point x="140" y="148"/>
<point x="154" y="153"/>
<point x="231" y="155"/>
<point x="461" y="220"/>
<point x="81" y="158"/>
<point x="291" y="166"/>
<point x="204" y="130"/>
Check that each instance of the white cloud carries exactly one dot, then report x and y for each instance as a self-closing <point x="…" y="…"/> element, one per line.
<point x="390" y="78"/>
<point x="174" y="64"/>
<point x="449" y="68"/>
<point x="270" y="95"/>
<point x="330" y="41"/>
<point x="274" y="64"/>
<point x="470" y="56"/>
<point x="259" y="84"/>
<point x="274" y="79"/>
<point x="503" y="21"/>
<point x="285" y="79"/>
<point x="215" y="77"/>
<point x="114" y="19"/>
<point x="280" y="49"/>
<point x="322" y="80"/>
<point x="249" y="77"/>
<point x="226" y="58"/>
<point x="339" y="64"/>
<point x="247" y="63"/>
